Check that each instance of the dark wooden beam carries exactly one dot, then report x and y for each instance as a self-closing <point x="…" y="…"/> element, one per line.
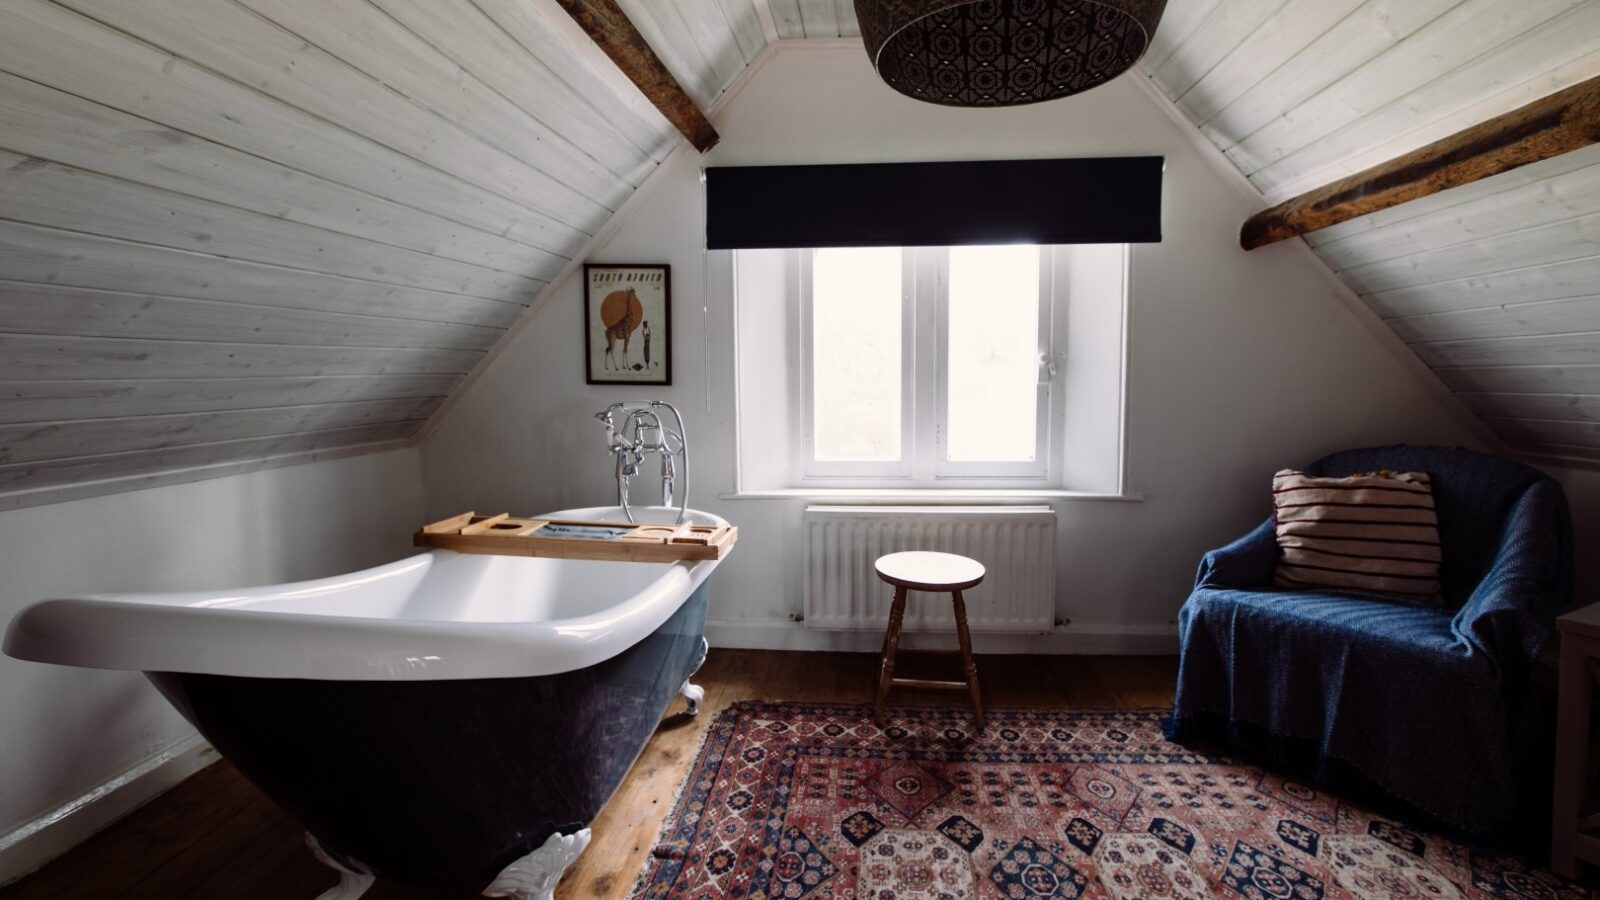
<point x="1562" y="122"/>
<point x="610" y="27"/>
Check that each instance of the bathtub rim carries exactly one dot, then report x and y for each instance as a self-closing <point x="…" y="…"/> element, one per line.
<point x="135" y="632"/>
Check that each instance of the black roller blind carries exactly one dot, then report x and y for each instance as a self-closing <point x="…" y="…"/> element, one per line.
<point x="1103" y="200"/>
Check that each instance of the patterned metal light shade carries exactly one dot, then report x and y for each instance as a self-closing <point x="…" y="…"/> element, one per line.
<point x="1004" y="52"/>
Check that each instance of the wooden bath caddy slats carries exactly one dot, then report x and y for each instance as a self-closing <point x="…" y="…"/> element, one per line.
<point x="628" y="541"/>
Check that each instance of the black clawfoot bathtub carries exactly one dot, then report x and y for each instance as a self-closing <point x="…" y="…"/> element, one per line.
<point x="445" y="720"/>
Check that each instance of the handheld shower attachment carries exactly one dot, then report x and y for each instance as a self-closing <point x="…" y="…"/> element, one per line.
<point x="604" y="416"/>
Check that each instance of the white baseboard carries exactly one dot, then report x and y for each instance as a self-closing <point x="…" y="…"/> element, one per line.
<point x="1129" y="640"/>
<point x="37" y="842"/>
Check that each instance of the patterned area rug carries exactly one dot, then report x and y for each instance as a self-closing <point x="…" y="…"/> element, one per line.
<point x="788" y="801"/>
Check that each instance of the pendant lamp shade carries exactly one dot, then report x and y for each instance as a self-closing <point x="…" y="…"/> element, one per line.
<point x="1004" y="52"/>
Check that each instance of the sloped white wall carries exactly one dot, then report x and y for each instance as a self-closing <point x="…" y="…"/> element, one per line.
<point x="1239" y="363"/>
<point x="65" y="732"/>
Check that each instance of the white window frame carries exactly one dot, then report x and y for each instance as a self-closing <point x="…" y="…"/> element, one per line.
<point x="924" y="355"/>
<point x="1036" y="469"/>
<point x="809" y="468"/>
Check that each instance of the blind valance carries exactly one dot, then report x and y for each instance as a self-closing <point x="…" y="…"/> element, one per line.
<point x="1102" y="200"/>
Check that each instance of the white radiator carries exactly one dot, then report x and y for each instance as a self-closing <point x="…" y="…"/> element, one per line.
<point x="1016" y="544"/>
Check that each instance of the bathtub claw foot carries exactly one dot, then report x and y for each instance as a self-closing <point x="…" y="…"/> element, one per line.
<point x="534" y="877"/>
<point x="693" y="694"/>
<point x="352" y="884"/>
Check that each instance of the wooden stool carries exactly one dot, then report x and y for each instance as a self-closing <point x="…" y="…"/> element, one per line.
<point x="919" y="570"/>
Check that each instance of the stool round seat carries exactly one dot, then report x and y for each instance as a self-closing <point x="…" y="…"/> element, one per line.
<point x="924" y="570"/>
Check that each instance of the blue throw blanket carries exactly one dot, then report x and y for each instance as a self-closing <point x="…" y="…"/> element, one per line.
<point x="1425" y="703"/>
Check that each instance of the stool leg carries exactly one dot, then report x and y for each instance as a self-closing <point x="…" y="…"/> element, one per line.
<point x="891" y="646"/>
<point x="966" y="658"/>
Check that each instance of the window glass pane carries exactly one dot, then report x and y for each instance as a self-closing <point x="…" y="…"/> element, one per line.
<point x="855" y="337"/>
<point x="992" y="395"/>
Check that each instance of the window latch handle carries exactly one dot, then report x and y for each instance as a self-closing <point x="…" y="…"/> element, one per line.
<point x="1047" y="368"/>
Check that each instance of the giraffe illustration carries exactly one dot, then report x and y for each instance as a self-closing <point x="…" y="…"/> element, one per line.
<point x="621" y="312"/>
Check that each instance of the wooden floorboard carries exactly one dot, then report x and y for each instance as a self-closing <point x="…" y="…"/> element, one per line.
<point x="157" y="835"/>
<point x="215" y="836"/>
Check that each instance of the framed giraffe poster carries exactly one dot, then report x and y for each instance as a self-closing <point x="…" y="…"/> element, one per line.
<point x="627" y="323"/>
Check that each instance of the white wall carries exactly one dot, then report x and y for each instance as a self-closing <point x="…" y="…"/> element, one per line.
<point x="1238" y="363"/>
<point x="64" y="731"/>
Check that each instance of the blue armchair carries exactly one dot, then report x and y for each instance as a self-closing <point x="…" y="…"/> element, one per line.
<point x="1429" y="705"/>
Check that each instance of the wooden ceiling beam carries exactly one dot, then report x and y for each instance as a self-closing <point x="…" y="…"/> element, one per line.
<point x="1560" y="123"/>
<point x="610" y="27"/>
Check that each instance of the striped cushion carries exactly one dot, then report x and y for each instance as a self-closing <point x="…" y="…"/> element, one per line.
<point x="1374" y="533"/>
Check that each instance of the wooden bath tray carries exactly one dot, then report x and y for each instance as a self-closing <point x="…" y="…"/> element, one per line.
<point x="570" y="539"/>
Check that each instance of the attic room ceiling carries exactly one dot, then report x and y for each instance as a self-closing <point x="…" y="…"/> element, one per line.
<point x="1495" y="285"/>
<point x="243" y="230"/>
<point x="232" y="231"/>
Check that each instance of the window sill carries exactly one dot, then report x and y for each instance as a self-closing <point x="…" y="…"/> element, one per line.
<point x="942" y="495"/>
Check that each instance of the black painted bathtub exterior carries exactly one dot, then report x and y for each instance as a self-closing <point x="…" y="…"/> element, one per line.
<point x="444" y="783"/>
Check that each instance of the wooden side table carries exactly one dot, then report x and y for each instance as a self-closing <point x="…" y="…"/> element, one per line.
<point x="1574" y="835"/>
<point x="920" y="570"/>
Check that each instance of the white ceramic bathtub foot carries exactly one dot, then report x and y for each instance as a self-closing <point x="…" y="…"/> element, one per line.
<point x="693" y="693"/>
<point x="534" y="877"/>
<point x="352" y="884"/>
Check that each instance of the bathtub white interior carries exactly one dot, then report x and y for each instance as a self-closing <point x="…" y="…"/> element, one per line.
<point x="441" y="586"/>
<point x="435" y="615"/>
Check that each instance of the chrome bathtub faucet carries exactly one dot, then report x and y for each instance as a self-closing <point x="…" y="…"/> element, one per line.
<point x="642" y="432"/>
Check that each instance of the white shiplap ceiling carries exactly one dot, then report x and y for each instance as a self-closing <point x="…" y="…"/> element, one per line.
<point x="1298" y="94"/>
<point x="1495" y="285"/>
<point x="233" y="230"/>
